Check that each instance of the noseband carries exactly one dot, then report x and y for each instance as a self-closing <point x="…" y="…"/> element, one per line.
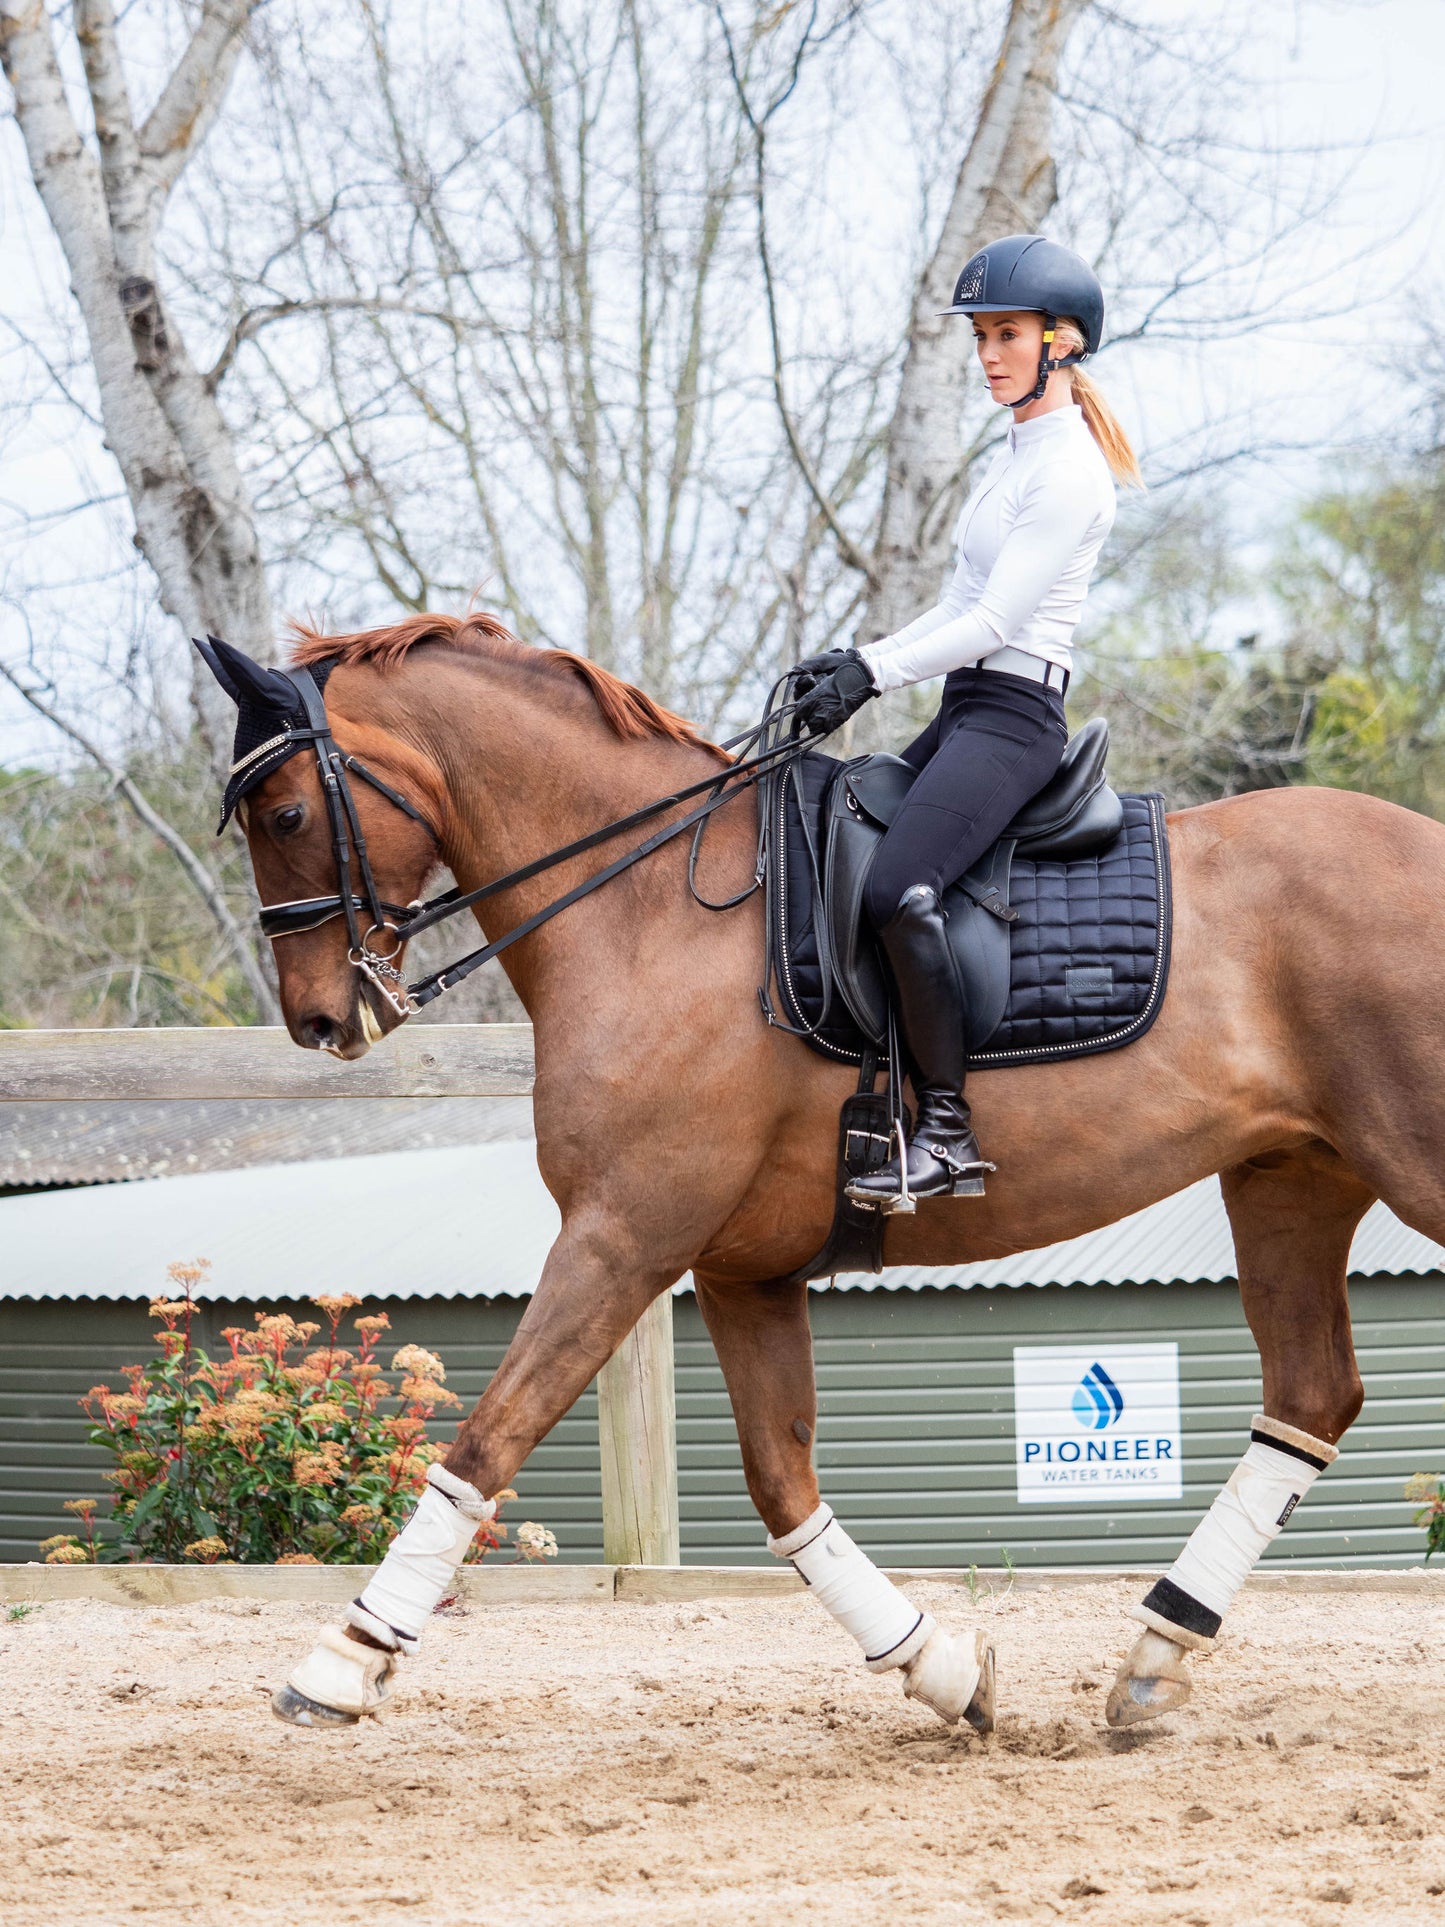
<point x="369" y="915"/>
<point x="348" y="845"/>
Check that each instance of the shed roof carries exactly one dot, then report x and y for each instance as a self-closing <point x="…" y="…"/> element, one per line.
<point x="1182" y="1239"/>
<point x="475" y="1220"/>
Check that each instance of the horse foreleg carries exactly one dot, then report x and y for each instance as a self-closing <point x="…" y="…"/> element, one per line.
<point x="1294" y="1215"/>
<point x="593" y="1289"/>
<point x="765" y="1348"/>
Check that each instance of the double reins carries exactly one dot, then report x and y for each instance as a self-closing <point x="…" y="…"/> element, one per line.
<point x="767" y="747"/>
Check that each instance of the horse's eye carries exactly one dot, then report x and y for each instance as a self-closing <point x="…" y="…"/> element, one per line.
<point x="288" y="821"/>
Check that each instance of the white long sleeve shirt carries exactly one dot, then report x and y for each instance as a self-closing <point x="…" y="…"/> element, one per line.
<point x="1027" y="541"/>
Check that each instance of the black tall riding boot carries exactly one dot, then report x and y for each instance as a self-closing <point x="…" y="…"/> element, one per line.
<point x="943" y="1156"/>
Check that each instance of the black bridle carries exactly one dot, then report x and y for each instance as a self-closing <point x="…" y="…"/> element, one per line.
<point x="772" y="743"/>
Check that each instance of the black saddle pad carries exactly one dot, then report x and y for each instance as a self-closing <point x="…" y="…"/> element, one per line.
<point x="1089" y="952"/>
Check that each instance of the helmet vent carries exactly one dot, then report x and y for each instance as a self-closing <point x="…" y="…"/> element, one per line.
<point x="970" y="282"/>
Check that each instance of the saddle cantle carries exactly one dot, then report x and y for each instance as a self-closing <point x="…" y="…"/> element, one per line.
<point x="1060" y="931"/>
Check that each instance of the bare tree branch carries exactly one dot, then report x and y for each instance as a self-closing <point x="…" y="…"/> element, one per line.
<point x="192" y="97"/>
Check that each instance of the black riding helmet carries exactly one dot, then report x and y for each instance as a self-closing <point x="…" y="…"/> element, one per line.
<point x="1027" y="274"/>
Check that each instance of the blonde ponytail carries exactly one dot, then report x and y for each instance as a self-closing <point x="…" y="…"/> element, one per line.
<point x="1102" y="423"/>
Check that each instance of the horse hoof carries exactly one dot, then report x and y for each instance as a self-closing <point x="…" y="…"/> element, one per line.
<point x="955" y="1684"/>
<point x="339" y="1681"/>
<point x="980" y="1710"/>
<point x="1133" y="1700"/>
<point x="1151" y="1682"/>
<point x="293" y="1707"/>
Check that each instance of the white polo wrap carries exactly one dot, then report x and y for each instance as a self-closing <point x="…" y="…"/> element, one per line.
<point x="422" y="1560"/>
<point x="888" y="1628"/>
<point x="1189" y="1603"/>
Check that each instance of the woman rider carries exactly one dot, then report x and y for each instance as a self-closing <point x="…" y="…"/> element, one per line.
<point x="1027" y="541"/>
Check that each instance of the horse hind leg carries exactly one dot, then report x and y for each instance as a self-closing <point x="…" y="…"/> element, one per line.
<point x="1293" y="1214"/>
<point x="761" y="1335"/>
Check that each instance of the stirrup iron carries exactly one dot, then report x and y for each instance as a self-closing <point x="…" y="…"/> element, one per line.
<point x="904" y="1206"/>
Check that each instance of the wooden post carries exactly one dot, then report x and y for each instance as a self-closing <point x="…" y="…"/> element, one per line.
<point x="637" y="1431"/>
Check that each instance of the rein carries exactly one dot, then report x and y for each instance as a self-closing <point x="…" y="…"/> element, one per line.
<point x="771" y="743"/>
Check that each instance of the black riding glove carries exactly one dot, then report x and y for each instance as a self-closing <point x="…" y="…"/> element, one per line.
<point x="837" y="695"/>
<point x="812" y="669"/>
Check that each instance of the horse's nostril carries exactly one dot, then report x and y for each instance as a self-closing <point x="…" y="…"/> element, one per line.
<point x="319" y="1033"/>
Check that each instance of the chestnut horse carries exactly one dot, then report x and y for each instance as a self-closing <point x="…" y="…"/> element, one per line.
<point x="1299" y="1053"/>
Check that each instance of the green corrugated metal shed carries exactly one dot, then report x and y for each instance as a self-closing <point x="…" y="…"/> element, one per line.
<point x="915" y="1435"/>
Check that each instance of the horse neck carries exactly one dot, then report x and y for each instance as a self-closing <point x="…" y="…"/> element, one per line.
<point x="530" y="765"/>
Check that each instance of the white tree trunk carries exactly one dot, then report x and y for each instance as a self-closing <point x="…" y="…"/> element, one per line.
<point x="1005" y="186"/>
<point x="194" y="523"/>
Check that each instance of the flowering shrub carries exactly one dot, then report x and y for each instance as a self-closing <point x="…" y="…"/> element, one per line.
<point x="1427" y="1490"/>
<point x="279" y="1452"/>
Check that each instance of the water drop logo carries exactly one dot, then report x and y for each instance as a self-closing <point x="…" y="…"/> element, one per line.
<point x="1097" y="1402"/>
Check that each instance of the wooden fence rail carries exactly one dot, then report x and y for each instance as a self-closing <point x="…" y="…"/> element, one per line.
<point x="432" y="1060"/>
<point x="635" y="1401"/>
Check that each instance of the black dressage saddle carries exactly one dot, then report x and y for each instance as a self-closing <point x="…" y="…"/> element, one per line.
<point x="1076" y="815"/>
<point x="1061" y="932"/>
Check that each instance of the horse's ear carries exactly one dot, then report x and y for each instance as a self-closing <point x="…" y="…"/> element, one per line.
<point x="244" y="680"/>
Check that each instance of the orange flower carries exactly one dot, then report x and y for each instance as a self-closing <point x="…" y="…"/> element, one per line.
<point x="323" y="1466"/>
<point x="207" y="1551"/>
<point x="298" y="1559"/>
<point x="335" y="1306"/>
<point x="422" y="1391"/>
<point x="82" y="1508"/>
<point x="64" y="1551"/>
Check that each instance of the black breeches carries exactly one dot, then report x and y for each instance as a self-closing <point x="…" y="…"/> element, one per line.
<point x="995" y="742"/>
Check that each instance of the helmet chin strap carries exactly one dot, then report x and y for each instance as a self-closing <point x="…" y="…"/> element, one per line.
<point x="1046" y="365"/>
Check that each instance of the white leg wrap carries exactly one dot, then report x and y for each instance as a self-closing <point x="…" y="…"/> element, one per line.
<point x="888" y="1628"/>
<point x="1189" y="1602"/>
<point x="422" y="1560"/>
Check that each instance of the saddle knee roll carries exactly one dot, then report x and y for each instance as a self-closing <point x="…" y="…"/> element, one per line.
<point x="1189" y="1603"/>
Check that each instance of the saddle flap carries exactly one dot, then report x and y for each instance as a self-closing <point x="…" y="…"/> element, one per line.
<point x="852" y="836"/>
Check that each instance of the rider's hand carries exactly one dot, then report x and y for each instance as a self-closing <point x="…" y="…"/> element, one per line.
<point x="812" y="669"/>
<point x="838" y="694"/>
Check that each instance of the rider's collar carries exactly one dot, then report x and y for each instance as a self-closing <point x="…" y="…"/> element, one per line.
<point x="1039" y="427"/>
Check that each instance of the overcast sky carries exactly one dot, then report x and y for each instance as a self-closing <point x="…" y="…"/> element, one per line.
<point x="1366" y="74"/>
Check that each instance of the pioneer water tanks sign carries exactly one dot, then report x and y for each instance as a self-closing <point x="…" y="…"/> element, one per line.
<point x="1096" y="1423"/>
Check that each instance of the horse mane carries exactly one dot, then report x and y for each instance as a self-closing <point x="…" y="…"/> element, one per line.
<point x="628" y="712"/>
